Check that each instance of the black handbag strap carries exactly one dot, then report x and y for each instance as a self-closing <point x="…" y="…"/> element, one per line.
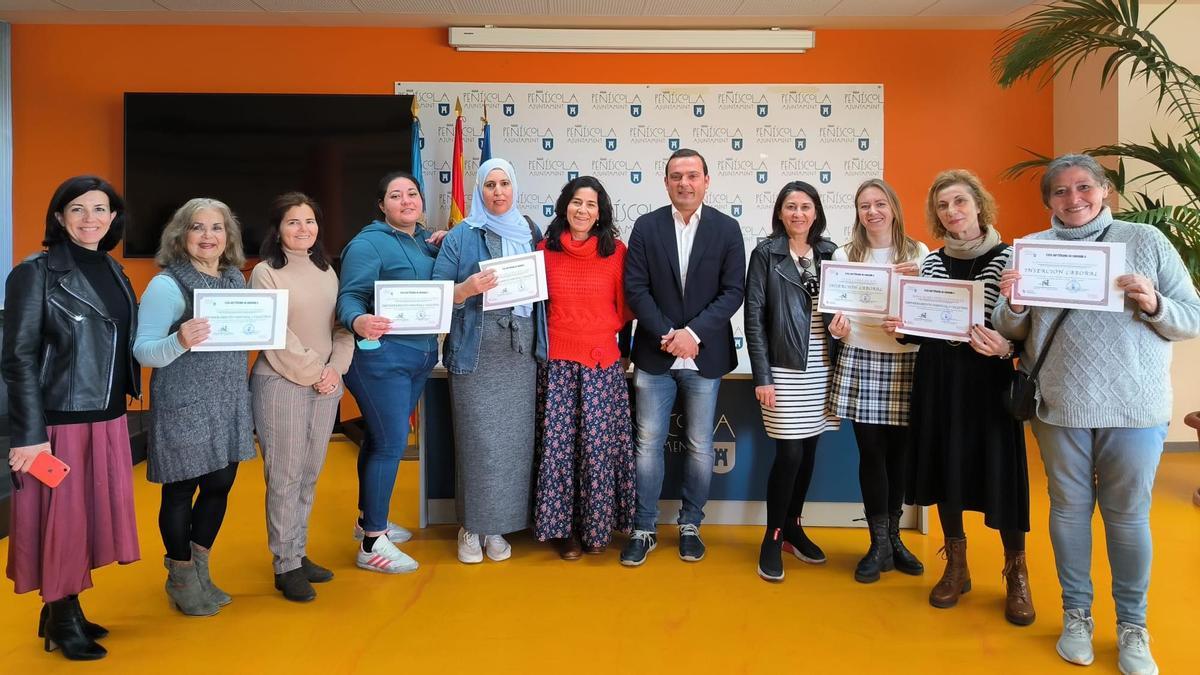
<point x="1037" y="366"/>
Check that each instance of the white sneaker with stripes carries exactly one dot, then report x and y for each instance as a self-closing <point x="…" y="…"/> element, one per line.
<point x="386" y="558"/>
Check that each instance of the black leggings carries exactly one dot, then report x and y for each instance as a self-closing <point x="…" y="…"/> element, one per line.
<point x="881" y="459"/>
<point x="952" y="527"/>
<point x="181" y="521"/>
<point x="787" y="484"/>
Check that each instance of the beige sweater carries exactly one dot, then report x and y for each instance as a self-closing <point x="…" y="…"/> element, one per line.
<point x="314" y="339"/>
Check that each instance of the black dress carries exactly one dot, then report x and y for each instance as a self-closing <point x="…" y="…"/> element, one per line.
<point x="968" y="453"/>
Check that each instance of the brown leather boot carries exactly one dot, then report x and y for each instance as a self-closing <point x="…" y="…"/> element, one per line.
<point x="1018" y="605"/>
<point x="956" y="580"/>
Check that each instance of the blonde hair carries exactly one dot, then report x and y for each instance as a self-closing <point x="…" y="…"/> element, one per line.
<point x="983" y="200"/>
<point x="172" y="246"/>
<point x="904" y="247"/>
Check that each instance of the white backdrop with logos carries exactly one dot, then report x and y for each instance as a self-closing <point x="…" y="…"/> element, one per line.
<point x="755" y="138"/>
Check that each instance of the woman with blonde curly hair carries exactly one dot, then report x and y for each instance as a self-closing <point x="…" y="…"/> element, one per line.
<point x="968" y="452"/>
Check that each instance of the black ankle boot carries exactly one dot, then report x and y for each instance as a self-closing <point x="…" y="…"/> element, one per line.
<point x="93" y="630"/>
<point x="902" y="558"/>
<point x="64" y="630"/>
<point x="879" y="557"/>
<point x="770" y="556"/>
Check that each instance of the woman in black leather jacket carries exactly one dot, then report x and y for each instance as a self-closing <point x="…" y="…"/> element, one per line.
<point x="67" y="363"/>
<point x="791" y="355"/>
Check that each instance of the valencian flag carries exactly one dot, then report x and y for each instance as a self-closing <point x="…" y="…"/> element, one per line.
<point x="458" y="198"/>
<point x="417" y="165"/>
<point x="485" y="143"/>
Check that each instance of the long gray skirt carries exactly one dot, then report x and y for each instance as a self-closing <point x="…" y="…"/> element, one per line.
<point x="493" y="410"/>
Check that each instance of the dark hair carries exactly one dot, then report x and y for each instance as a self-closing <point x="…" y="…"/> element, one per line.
<point x="69" y="190"/>
<point x="391" y="176"/>
<point x="685" y="152"/>
<point x="605" y="230"/>
<point x="272" y="248"/>
<point x="818" y="226"/>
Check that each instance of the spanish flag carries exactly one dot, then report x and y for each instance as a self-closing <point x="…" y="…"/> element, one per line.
<point x="458" y="198"/>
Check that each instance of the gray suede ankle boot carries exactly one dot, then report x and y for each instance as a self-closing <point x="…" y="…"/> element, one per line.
<point x="184" y="590"/>
<point x="200" y="556"/>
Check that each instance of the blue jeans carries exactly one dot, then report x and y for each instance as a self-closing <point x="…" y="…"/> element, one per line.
<point x="1114" y="467"/>
<point x="387" y="383"/>
<point x="652" y="412"/>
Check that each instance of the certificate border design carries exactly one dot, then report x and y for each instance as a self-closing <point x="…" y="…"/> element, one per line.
<point x="1022" y="299"/>
<point x="539" y="260"/>
<point x="971" y="318"/>
<point x="274" y="295"/>
<point x="823" y="305"/>
<point x="443" y="288"/>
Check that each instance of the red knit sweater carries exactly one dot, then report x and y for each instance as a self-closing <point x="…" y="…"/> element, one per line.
<point x="587" y="302"/>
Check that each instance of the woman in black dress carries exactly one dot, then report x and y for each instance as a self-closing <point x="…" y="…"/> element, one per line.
<point x="968" y="452"/>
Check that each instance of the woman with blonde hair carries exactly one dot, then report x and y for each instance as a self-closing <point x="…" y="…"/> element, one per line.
<point x="873" y="379"/>
<point x="200" y="420"/>
<point x="968" y="452"/>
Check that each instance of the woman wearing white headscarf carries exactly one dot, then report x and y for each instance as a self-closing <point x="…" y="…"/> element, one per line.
<point x="492" y="359"/>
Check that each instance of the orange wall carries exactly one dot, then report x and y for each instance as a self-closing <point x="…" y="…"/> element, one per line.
<point x="941" y="108"/>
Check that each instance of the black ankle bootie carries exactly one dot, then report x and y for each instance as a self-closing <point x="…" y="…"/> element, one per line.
<point x="64" y="630"/>
<point x="879" y="557"/>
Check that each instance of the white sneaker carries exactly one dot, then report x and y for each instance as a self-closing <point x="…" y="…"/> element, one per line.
<point x="468" y="547"/>
<point x="1133" y="650"/>
<point x="386" y="558"/>
<point x="1075" y="643"/>
<point x="497" y="548"/>
<point x="395" y="533"/>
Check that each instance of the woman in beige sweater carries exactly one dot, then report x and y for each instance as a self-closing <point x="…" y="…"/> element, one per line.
<point x="296" y="389"/>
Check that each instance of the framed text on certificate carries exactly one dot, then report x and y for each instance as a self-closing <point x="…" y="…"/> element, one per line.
<point x="415" y="307"/>
<point x="520" y="280"/>
<point x="939" y="308"/>
<point x="862" y="289"/>
<point x="242" y="318"/>
<point x="1071" y="274"/>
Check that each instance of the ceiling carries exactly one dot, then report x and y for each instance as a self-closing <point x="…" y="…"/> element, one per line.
<point x="935" y="14"/>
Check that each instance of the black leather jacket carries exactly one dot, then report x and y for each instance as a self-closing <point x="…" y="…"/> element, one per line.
<point x="59" y="343"/>
<point x="778" y="309"/>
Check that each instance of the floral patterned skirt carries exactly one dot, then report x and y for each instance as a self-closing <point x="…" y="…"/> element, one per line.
<point x="585" y="464"/>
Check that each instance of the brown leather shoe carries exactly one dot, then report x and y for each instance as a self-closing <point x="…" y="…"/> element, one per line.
<point x="568" y="548"/>
<point x="956" y="580"/>
<point x="1018" y="605"/>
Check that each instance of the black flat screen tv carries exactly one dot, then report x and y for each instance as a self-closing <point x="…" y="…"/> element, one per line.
<point x="245" y="149"/>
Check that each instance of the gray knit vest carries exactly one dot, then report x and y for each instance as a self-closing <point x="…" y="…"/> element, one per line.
<point x="200" y="417"/>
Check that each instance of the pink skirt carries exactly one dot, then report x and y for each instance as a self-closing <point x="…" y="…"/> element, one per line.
<point x="58" y="536"/>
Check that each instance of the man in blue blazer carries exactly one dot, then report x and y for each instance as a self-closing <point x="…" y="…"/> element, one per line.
<point x="684" y="279"/>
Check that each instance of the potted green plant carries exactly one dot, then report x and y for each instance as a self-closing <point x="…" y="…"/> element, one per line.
<point x="1059" y="38"/>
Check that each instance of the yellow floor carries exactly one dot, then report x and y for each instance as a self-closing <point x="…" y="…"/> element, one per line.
<point x="536" y="613"/>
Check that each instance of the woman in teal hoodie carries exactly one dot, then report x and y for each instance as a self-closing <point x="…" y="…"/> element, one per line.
<point x="388" y="372"/>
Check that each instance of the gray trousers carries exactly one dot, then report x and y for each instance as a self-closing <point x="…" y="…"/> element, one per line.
<point x="294" y="423"/>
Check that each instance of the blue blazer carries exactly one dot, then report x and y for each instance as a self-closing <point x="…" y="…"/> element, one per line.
<point x="715" y="287"/>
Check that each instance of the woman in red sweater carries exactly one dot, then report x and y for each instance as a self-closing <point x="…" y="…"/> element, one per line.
<point x="585" y="465"/>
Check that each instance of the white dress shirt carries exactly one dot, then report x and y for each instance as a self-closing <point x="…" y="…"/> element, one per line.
<point x="685" y="236"/>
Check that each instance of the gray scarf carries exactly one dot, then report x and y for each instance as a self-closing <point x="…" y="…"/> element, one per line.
<point x="970" y="249"/>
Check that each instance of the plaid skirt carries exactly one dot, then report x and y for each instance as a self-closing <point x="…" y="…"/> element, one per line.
<point x="873" y="387"/>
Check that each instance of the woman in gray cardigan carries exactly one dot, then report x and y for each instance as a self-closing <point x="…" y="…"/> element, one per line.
<point x="1104" y="401"/>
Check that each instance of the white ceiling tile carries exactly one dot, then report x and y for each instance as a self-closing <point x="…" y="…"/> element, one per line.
<point x="688" y="8"/>
<point x="974" y="7"/>
<point x="112" y="5"/>
<point x="503" y="7"/>
<point x="31" y="6"/>
<point x="406" y="6"/>
<point x="316" y="6"/>
<point x="210" y="5"/>
<point x="602" y="8"/>
<point x="876" y="8"/>
<point x="784" y="7"/>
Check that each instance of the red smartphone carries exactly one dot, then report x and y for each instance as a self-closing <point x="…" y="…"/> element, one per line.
<point x="49" y="469"/>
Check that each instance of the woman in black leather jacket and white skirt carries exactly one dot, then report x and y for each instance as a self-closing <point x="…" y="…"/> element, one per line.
<point x="791" y="355"/>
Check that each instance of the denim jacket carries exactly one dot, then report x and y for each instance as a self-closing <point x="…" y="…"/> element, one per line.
<point x="462" y="250"/>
